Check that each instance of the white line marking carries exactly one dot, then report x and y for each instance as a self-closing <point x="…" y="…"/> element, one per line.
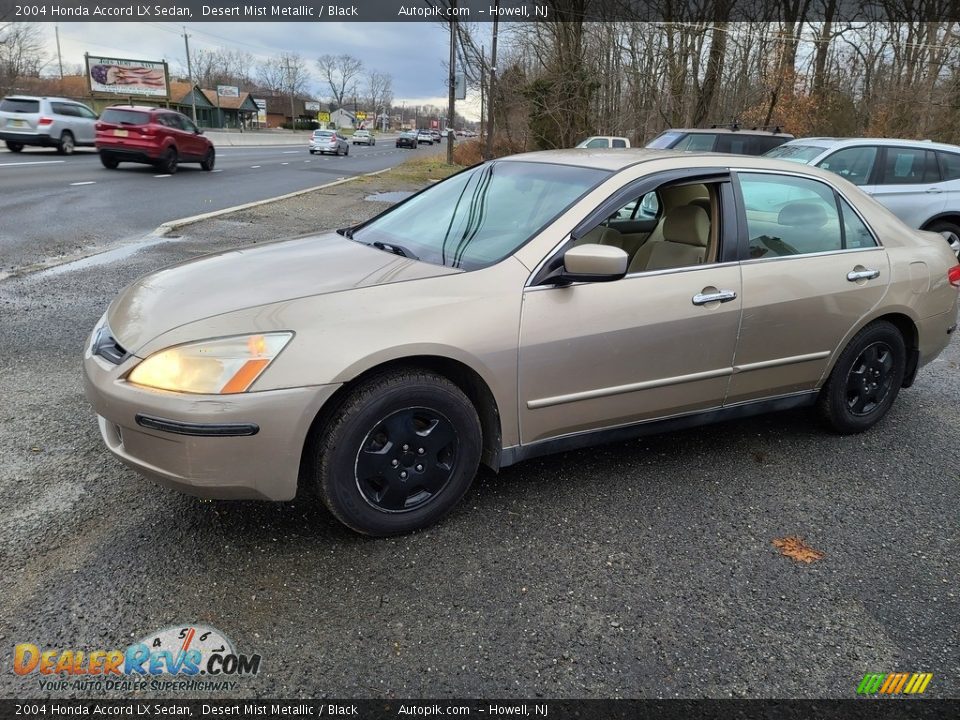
<point x="35" y="162"/>
<point x="254" y="167"/>
<point x="161" y="175"/>
<point x="86" y="182"/>
<point x="284" y="163"/>
<point x="216" y="171"/>
<point x="290" y="152"/>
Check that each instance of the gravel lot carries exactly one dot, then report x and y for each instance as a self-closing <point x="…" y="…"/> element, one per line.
<point x="644" y="569"/>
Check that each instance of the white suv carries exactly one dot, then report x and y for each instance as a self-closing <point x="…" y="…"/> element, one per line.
<point x="47" y="122"/>
<point x="917" y="180"/>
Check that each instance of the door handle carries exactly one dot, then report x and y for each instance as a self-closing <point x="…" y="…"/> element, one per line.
<point x="719" y="296"/>
<point x="855" y="275"/>
<point x="934" y="190"/>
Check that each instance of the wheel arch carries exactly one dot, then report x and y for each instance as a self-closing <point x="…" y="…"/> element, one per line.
<point x="459" y="373"/>
<point x="901" y="319"/>
<point x="950" y="216"/>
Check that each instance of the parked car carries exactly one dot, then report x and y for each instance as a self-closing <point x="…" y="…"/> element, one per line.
<point x="437" y="137"/>
<point x="917" y="180"/>
<point x="729" y="139"/>
<point x="408" y="139"/>
<point x="383" y="362"/>
<point x="424" y="136"/>
<point x="363" y="137"/>
<point x="604" y="141"/>
<point x="331" y="142"/>
<point x="46" y="122"/>
<point x="151" y="135"/>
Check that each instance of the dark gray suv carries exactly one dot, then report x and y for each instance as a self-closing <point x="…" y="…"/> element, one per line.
<point x="46" y="121"/>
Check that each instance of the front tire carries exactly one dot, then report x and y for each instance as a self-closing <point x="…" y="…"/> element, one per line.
<point x="866" y="379"/>
<point x="14" y="146"/>
<point x="209" y="160"/>
<point x="399" y="453"/>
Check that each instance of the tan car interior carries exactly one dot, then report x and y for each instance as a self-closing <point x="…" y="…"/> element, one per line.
<point x="684" y="232"/>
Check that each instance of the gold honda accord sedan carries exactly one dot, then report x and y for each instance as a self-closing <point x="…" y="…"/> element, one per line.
<point x="537" y="303"/>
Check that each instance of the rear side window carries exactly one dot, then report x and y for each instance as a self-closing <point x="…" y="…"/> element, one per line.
<point x="64" y="109"/>
<point x="854" y="163"/>
<point x="619" y="143"/>
<point x="125" y="117"/>
<point x="906" y="166"/>
<point x="736" y="144"/>
<point x="762" y="143"/>
<point x="20" y="106"/>
<point x="949" y="165"/>
<point x="697" y="142"/>
<point x="855" y="233"/>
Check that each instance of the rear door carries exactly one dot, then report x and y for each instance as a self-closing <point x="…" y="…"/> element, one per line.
<point x="811" y="269"/>
<point x="907" y="182"/>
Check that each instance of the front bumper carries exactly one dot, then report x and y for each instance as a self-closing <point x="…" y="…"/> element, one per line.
<point x="263" y="464"/>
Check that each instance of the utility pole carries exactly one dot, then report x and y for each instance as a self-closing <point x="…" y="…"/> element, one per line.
<point x="452" y="81"/>
<point x="56" y="30"/>
<point x="483" y="85"/>
<point x="493" y="81"/>
<point x="293" y="120"/>
<point x="193" y="92"/>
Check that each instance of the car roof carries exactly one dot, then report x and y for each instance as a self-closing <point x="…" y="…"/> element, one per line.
<point x="831" y="143"/>
<point x="729" y="131"/>
<point x="42" y="97"/>
<point x="139" y="108"/>
<point x="617" y="159"/>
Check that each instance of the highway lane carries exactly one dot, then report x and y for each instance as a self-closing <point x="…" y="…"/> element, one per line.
<point x="51" y="205"/>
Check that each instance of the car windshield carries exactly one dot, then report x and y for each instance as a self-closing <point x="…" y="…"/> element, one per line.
<point x="664" y="140"/>
<point x="125" y="117"/>
<point x="795" y="153"/>
<point x="480" y="215"/>
<point x="17" y="105"/>
<point x="322" y="133"/>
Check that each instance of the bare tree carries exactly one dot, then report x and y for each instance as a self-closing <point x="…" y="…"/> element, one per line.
<point x="221" y="67"/>
<point x="284" y="73"/>
<point x="22" y="53"/>
<point x="379" y="91"/>
<point x="341" y="73"/>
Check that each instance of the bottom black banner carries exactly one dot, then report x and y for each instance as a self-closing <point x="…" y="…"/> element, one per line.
<point x="888" y="709"/>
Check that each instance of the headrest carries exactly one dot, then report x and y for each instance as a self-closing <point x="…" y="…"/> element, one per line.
<point x="802" y="213"/>
<point x="703" y="202"/>
<point x="687" y="224"/>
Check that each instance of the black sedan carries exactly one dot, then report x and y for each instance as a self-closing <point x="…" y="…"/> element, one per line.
<point x="407" y="139"/>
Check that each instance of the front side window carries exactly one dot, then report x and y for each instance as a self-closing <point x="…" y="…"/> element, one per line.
<point x="854" y="163"/>
<point x="790" y="216"/>
<point x="480" y="215"/>
<point x="597" y="143"/>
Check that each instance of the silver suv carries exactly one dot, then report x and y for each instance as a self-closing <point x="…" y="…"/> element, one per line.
<point x="47" y="122"/>
<point x="917" y="180"/>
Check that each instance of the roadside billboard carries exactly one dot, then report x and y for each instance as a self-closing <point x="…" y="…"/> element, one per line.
<point x="311" y="106"/>
<point x="122" y="77"/>
<point x="228" y="91"/>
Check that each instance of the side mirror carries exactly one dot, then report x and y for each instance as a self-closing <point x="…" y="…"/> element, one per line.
<point x="591" y="263"/>
<point x="198" y="131"/>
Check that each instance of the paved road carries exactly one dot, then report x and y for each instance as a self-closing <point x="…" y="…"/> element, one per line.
<point x="642" y="569"/>
<point x="53" y="205"/>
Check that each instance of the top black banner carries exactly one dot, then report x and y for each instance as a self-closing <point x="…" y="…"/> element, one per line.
<point x="482" y="11"/>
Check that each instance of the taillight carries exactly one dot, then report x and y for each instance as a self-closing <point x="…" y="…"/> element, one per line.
<point x="98" y="126"/>
<point x="45" y="121"/>
<point x="953" y="276"/>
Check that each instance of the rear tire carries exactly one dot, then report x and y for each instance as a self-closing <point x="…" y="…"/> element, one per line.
<point x="110" y="163"/>
<point x="347" y="151"/>
<point x="209" y="161"/>
<point x="866" y="379"/>
<point x="398" y="454"/>
<point x="66" y="145"/>
<point x="312" y="152"/>
<point x="14" y="146"/>
<point x="168" y="164"/>
<point x="950" y="232"/>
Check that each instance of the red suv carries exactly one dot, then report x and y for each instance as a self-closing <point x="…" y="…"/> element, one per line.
<point x="156" y="136"/>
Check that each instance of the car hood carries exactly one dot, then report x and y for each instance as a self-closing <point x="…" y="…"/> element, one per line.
<point x="249" y="277"/>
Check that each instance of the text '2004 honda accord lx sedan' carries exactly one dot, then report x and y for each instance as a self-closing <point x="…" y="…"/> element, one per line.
<point x="520" y="307"/>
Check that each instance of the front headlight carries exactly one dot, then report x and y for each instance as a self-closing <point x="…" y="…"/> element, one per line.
<point x="213" y="367"/>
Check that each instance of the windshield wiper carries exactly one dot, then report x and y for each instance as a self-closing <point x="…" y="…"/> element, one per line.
<point x="346" y="232"/>
<point x="395" y="249"/>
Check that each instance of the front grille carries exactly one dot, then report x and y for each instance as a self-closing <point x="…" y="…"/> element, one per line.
<point x="106" y="346"/>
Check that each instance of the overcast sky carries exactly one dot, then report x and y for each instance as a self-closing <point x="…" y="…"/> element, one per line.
<point x="413" y="53"/>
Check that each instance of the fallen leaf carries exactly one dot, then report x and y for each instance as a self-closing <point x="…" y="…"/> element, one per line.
<point x="797" y="549"/>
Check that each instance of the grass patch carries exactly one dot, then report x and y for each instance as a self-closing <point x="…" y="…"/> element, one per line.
<point x="422" y="170"/>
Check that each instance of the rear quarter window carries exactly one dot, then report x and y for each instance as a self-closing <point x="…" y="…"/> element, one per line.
<point x="20" y="106"/>
<point x="126" y="117"/>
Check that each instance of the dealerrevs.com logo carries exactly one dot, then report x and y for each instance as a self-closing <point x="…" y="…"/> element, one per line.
<point x="179" y="657"/>
<point x="894" y="683"/>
